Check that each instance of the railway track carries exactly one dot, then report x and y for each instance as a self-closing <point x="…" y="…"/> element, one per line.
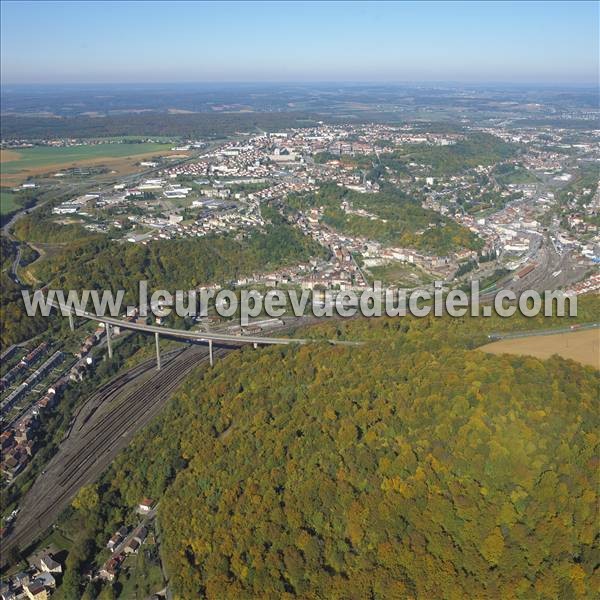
<point x="87" y="456"/>
<point x="111" y="389"/>
<point x="102" y="427"/>
<point x="117" y="422"/>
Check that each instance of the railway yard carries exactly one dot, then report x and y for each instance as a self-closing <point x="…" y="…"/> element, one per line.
<point x="103" y="425"/>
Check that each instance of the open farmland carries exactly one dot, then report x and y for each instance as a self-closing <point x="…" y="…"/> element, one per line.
<point x="27" y="162"/>
<point x="582" y="346"/>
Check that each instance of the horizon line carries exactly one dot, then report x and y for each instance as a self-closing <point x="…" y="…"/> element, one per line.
<point x="312" y="82"/>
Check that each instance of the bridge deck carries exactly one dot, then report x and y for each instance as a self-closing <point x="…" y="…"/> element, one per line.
<point x="195" y="335"/>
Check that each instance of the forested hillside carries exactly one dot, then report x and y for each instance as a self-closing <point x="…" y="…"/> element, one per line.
<point x="398" y="220"/>
<point x="95" y="262"/>
<point x="409" y="467"/>
<point x="177" y="264"/>
<point x="19" y="326"/>
<point x="188" y="125"/>
<point x="477" y="149"/>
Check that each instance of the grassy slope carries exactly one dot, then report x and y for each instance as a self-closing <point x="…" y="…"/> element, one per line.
<point x="8" y="203"/>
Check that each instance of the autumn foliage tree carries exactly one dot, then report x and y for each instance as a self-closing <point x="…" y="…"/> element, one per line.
<point x="409" y="467"/>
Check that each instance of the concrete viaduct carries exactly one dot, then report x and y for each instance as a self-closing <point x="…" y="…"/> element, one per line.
<point x="197" y="336"/>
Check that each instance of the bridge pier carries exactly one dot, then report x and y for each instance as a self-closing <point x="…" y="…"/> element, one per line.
<point x="157" y="351"/>
<point x="71" y="321"/>
<point x="108" y="340"/>
<point x="210" y="353"/>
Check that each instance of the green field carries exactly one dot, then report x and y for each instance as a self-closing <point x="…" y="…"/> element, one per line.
<point x="398" y="273"/>
<point x="8" y="202"/>
<point x="511" y="174"/>
<point x="31" y="159"/>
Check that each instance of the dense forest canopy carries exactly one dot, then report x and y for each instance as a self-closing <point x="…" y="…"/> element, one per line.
<point x="147" y="124"/>
<point x="177" y="264"/>
<point x="476" y="149"/>
<point x="410" y="467"/>
<point x="16" y="325"/>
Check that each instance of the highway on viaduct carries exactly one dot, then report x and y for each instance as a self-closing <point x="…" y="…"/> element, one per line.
<point x="180" y="334"/>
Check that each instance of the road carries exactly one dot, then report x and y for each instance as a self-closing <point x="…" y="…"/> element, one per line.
<point x="52" y="194"/>
<point x="65" y="190"/>
<point x="15" y="266"/>
<point x="198" y="336"/>
<point x="541" y="332"/>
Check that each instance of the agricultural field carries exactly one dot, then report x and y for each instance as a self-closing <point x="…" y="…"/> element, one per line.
<point x="581" y="346"/>
<point x="18" y="165"/>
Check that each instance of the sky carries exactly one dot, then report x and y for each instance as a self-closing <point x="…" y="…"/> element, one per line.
<point x="134" y="42"/>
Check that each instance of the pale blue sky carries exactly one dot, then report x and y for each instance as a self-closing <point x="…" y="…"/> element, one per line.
<point x="84" y="42"/>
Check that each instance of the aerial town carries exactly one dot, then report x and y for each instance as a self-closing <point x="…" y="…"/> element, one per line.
<point x="527" y="219"/>
<point x="299" y="300"/>
<point x="222" y="190"/>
